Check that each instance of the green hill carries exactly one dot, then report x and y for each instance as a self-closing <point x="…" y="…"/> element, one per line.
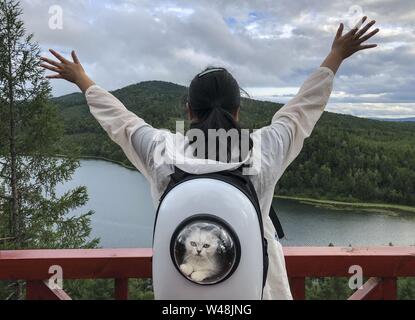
<point x="347" y="158"/>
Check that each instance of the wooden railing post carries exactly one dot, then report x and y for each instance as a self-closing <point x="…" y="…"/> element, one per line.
<point x="390" y="290"/>
<point x="298" y="288"/>
<point x="40" y="290"/>
<point x="32" y="290"/>
<point x="121" y="289"/>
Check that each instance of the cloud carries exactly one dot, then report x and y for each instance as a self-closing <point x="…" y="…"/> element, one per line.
<point x="375" y="110"/>
<point x="269" y="46"/>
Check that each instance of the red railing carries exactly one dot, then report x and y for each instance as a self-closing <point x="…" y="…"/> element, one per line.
<point x="382" y="265"/>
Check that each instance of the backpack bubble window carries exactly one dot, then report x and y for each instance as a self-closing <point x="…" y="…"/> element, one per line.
<point x="205" y="249"/>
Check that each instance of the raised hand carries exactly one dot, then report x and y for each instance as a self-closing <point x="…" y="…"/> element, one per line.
<point x="71" y="71"/>
<point x="346" y="45"/>
<point x="352" y="42"/>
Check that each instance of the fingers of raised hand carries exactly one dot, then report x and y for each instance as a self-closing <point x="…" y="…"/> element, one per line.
<point x="51" y="68"/>
<point x="58" y="56"/>
<point x="354" y="33"/>
<point x="364" y="30"/>
<point x="351" y="33"/>
<point x="75" y="57"/>
<point x="51" y="62"/>
<point x="368" y="36"/>
<point x="340" y="31"/>
<point x="366" y="46"/>
<point x="55" y="76"/>
<point x="361" y="22"/>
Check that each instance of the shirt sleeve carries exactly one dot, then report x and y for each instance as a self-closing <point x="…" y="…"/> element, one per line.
<point x="283" y="140"/>
<point x="121" y="126"/>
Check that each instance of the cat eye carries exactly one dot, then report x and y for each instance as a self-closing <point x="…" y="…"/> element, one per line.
<point x="206" y="245"/>
<point x="193" y="244"/>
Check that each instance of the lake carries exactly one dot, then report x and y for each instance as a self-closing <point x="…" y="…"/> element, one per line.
<point x="124" y="214"/>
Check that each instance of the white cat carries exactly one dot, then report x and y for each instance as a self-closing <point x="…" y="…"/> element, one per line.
<point x="200" y="259"/>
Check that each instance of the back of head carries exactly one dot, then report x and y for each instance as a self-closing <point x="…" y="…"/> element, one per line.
<point x="214" y="100"/>
<point x="213" y="89"/>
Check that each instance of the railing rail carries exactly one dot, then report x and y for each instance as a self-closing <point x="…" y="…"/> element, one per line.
<point x="382" y="264"/>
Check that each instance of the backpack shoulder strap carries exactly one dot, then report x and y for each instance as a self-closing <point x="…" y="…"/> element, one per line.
<point x="179" y="175"/>
<point x="276" y="222"/>
<point x="272" y="213"/>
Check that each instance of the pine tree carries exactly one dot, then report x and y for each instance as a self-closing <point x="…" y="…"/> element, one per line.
<point x="32" y="213"/>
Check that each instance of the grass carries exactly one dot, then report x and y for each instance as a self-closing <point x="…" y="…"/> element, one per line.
<point x="363" y="206"/>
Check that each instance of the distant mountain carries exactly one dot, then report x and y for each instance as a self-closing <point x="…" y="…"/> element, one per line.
<point x="347" y="158"/>
<point x="396" y="119"/>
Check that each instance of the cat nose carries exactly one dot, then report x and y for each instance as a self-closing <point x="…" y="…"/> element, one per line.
<point x="199" y="251"/>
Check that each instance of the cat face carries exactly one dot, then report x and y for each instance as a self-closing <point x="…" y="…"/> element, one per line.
<point x="201" y="243"/>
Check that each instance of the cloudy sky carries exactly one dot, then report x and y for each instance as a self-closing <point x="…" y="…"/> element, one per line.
<point x="270" y="46"/>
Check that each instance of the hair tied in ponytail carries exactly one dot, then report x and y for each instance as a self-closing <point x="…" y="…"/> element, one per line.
<point x="214" y="99"/>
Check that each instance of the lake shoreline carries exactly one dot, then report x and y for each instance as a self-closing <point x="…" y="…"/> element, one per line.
<point x="391" y="209"/>
<point x="108" y="160"/>
<point x="384" y="208"/>
<point x="99" y="158"/>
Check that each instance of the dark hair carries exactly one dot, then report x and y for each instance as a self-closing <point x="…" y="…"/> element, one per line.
<point x="214" y="97"/>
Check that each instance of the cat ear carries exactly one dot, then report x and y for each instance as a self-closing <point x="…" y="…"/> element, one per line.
<point x="192" y="229"/>
<point x="187" y="232"/>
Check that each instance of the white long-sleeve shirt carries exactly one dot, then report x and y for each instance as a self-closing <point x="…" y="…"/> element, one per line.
<point x="280" y="143"/>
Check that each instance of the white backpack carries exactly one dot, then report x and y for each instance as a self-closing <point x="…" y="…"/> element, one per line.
<point x="208" y="239"/>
